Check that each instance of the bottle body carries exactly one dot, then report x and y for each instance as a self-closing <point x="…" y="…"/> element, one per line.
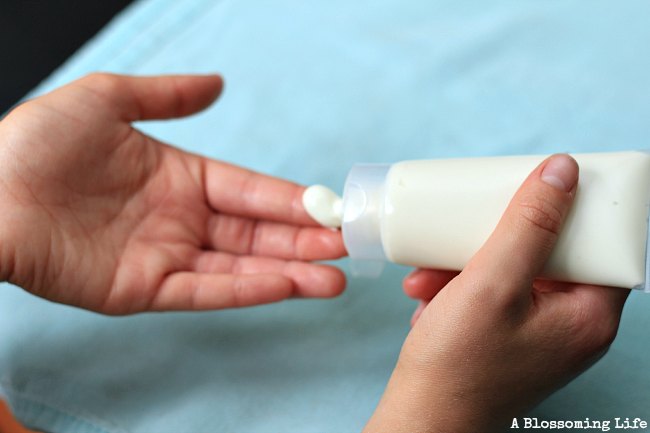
<point x="438" y="213"/>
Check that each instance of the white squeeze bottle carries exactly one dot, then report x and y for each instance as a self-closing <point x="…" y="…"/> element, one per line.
<point x="438" y="213"/>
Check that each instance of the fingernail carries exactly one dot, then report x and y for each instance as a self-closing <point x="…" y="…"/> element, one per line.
<point x="561" y="172"/>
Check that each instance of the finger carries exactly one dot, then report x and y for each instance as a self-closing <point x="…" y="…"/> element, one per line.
<point x="246" y="236"/>
<point x="426" y="283"/>
<point x="197" y="291"/>
<point x="156" y="97"/>
<point x="238" y="191"/>
<point x="309" y="280"/>
<point x="520" y="245"/>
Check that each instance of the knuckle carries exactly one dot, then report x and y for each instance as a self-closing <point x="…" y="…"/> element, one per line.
<point x="597" y="340"/>
<point x="99" y="78"/>
<point x="594" y="326"/>
<point x="238" y="292"/>
<point x="604" y="335"/>
<point x="542" y="213"/>
<point x="488" y="293"/>
<point x="605" y="339"/>
<point x="102" y="82"/>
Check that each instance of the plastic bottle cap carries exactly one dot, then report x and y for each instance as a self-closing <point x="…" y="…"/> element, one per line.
<point x="363" y="201"/>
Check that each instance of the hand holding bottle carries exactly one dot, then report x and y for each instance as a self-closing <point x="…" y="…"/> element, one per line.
<point x="492" y="341"/>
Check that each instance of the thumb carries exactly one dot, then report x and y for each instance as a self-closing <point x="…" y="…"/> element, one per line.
<point x="156" y="97"/>
<point x="520" y="245"/>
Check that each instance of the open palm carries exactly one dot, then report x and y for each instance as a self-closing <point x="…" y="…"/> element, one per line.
<point x="101" y="216"/>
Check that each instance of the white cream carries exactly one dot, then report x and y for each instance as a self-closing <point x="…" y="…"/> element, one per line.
<point x="323" y="205"/>
<point x="437" y="214"/>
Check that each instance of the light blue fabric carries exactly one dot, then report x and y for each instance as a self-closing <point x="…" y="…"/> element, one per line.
<point x="311" y="88"/>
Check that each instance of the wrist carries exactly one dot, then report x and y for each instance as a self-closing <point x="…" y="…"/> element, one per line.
<point x="418" y="400"/>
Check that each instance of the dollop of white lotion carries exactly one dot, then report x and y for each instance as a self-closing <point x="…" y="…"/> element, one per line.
<point x="323" y="205"/>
